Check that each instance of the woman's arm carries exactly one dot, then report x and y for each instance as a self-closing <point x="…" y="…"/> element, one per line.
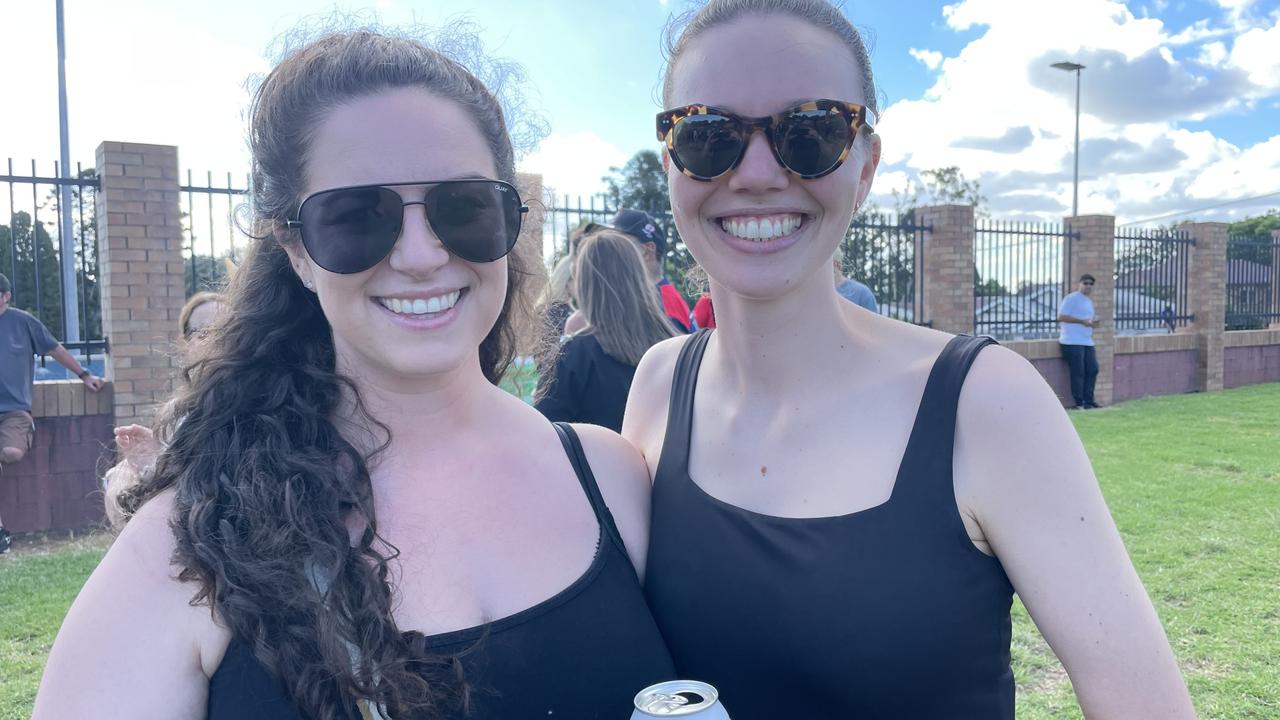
<point x="132" y="646"/>
<point x="1022" y="474"/>
<point x="624" y="484"/>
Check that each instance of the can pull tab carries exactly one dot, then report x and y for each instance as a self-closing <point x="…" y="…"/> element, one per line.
<point x="664" y="704"/>
<point x="671" y="704"/>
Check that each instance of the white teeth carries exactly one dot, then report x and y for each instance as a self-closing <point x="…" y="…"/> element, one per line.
<point x="761" y="229"/>
<point x="420" y="306"/>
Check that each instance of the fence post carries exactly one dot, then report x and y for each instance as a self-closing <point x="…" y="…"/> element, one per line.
<point x="1094" y="252"/>
<point x="1207" y="294"/>
<point x="1274" y="274"/>
<point x="947" y="263"/>
<point x="140" y="251"/>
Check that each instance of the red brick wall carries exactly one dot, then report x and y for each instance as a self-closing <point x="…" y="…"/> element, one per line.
<point x="1250" y="365"/>
<point x="1055" y="372"/>
<point x="1155" y="373"/>
<point x="56" y="485"/>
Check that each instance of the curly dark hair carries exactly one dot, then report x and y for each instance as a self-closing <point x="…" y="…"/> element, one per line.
<point x="265" y="481"/>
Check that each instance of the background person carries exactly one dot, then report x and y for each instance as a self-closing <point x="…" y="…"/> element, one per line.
<point x="137" y="444"/>
<point x="844" y="504"/>
<point x="652" y="242"/>
<point x="852" y="290"/>
<point x="22" y="337"/>
<point x="1078" y="318"/>
<point x="592" y="372"/>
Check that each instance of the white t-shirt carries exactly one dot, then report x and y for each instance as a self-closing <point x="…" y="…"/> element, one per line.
<point x="1076" y="305"/>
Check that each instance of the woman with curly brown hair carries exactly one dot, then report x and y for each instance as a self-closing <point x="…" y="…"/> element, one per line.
<point x="350" y="518"/>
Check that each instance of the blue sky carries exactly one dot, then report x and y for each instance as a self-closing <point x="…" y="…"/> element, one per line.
<point x="1180" y="106"/>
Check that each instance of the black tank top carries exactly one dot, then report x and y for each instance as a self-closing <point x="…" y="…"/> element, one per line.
<point x="889" y="612"/>
<point x="584" y="653"/>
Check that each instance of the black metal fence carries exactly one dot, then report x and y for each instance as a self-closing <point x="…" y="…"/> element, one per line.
<point x="1253" y="288"/>
<point x="31" y="250"/>
<point x="1020" y="274"/>
<point x="1151" y="276"/>
<point x="213" y="230"/>
<point x="881" y="252"/>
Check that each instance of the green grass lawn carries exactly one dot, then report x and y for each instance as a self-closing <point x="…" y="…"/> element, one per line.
<point x="1193" y="482"/>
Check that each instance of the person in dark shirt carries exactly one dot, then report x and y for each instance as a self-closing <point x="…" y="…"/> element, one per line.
<point x="592" y="373"/>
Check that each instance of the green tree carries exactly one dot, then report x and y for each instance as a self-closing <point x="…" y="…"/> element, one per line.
<point x="28" y="257"/>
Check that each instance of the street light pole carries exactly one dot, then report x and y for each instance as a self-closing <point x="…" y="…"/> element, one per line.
<point x="66" y="235"/>
<point x="1075" y="181"/>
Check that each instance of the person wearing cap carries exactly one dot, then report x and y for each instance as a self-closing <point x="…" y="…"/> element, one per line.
<point x="22" y="337"/>
<point x="641" y="227"/>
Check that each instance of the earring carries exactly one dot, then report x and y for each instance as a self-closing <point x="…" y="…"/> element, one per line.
<point x="308" y="285"/>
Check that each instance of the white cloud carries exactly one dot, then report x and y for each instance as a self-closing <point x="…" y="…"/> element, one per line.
<point x="1213" y="53"/>
<point x="1006" y="119"/>
<point x="1200" y="30"/>
<point x="931" y="58"/>
<point x="1257" y="52"/>
<point x="572" y="164"/>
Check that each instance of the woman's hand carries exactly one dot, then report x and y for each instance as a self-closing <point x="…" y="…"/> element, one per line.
<point x="138" y="445"/>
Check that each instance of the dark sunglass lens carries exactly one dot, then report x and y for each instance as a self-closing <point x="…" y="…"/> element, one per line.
<point x="477" y="220"/>
<point x="351" y="230"/>
<point x="810" y="142"/>
<point x="707" y="145"/>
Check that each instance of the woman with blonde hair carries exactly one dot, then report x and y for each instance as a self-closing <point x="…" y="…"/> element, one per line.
<point x="137" y="445"/>
<point x="593" y="371"/>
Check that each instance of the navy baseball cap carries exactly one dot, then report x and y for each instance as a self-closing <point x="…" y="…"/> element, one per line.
<point x="641" y="226"/>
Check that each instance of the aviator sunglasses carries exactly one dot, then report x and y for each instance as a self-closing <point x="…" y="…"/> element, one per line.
<point x="351" y="229"/>
<point x="811" y="139"/>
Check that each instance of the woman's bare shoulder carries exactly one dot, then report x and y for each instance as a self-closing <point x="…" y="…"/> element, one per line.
<point x="651" y="391"/>
<point x="134" y="619"/>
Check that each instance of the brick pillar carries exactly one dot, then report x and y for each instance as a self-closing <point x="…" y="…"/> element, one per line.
<point x="140" y="253"/>
<point x="1207" y="293"/>
<point x="1094" y="252"/>
<point x="948" y="266"/>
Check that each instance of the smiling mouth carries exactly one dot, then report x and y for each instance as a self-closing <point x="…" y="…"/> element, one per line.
<point x="762" y="228"/>
<point x="421" y="307"/>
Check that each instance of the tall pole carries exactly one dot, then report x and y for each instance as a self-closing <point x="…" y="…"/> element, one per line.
<point x="66" y="234"/>
<point x="1075" y="182"/>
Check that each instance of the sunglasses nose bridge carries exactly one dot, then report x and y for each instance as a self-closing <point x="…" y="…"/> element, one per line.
<point x="417" y="249"/>
<point x="758" y="166"/>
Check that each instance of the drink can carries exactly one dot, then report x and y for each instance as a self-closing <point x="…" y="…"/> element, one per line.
<point x="685" y="699"/>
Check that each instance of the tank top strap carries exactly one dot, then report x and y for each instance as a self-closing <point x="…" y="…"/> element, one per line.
<point x="684" y="381"/>
<point x="925" y="473"/>
<point x="578" y="458"/>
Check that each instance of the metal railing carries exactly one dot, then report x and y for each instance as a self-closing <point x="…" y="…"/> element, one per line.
<point x="1253" y="283"/>
<point x="882" y="253"/>
<point x="1020" y="274"/>
<point x="213" y="210"/>
<point x="1151" y="276"/>
<point x="30" y="246"/>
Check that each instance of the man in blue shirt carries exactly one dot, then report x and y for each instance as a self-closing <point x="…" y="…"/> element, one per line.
<point x="22" y="337"/>
<point x="852" y="290"/>
<point x="1078" y="320"/>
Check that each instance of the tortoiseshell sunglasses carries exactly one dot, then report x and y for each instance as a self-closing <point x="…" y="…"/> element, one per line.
<point x="811" y="139"/>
